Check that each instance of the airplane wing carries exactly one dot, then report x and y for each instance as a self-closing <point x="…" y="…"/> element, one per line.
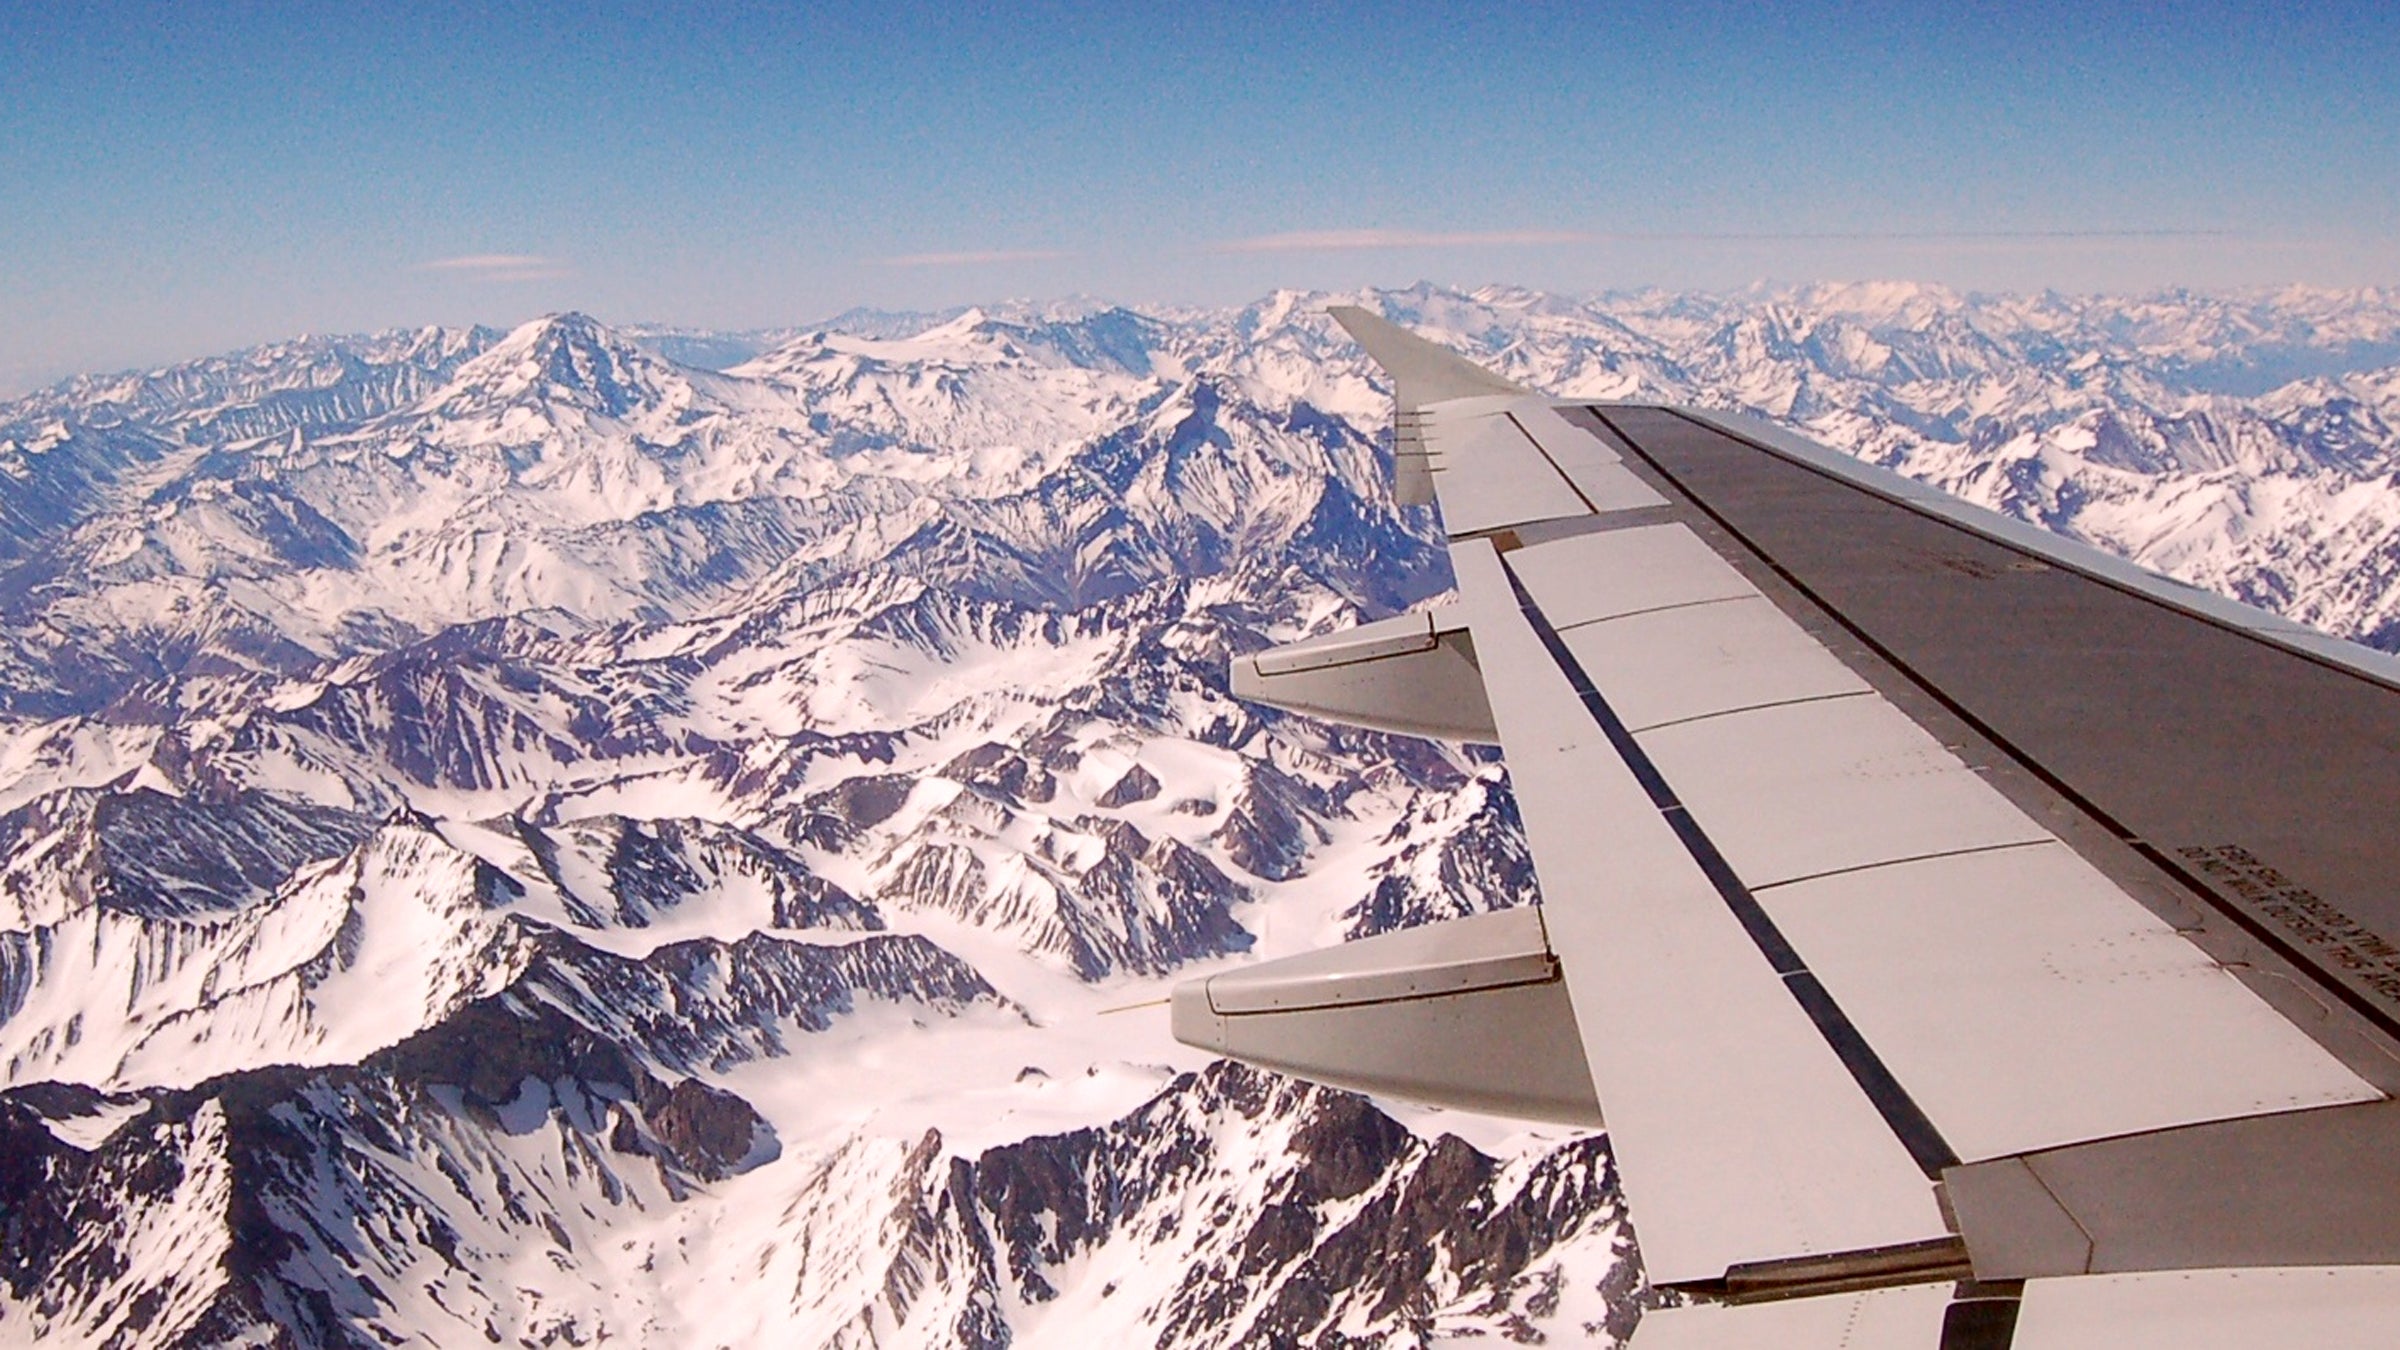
<point x="1968" y="938"/>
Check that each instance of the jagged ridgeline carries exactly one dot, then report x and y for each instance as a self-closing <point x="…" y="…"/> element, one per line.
<point x="579" y="834"/>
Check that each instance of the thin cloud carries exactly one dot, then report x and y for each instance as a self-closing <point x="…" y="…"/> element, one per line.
<point x="1319" y="241"/>
<point x="1901" y="236"/>
<point x="968" y="259"/>
<point x="500" y="267"/>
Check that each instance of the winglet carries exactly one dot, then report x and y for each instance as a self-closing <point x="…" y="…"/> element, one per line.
<point x="1421" y="371"/>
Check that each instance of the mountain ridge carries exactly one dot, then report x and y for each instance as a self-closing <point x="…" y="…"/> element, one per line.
<point x="510" y="835"/>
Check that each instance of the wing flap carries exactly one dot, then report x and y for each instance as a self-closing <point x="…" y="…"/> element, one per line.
<point x="2308" y="1188"/>
<point x="2330" y="1308"/>
<point x="2019" y="998"/>
<point x="1796" y="790"/>
<point x="1742" y="1135"/>
<point x="1702" y="661"/>
<point x="2025" y="1002"/>
<point x="1614" y="573"/>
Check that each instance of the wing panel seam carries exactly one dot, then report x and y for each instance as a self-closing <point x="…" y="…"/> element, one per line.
<point x="1657" y="609"/>
<point x="1912" y="858"/>
<point x="1715" y="713"/>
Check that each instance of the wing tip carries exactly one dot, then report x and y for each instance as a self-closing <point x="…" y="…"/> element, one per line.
<point x="1422" y="371"/>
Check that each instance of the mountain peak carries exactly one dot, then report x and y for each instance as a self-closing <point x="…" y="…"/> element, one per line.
<point x="805" y="758"/>
<point x="968" y="322"/>
<point x="569" y="359"/>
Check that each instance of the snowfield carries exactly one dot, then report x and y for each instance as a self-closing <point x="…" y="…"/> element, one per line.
<point x="506" y="837"/>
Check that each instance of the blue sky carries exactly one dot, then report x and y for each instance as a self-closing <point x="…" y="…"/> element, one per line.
<point x="190" y="178"/>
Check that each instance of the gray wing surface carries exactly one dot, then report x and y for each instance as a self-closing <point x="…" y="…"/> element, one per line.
<point x="1967" y="938"/>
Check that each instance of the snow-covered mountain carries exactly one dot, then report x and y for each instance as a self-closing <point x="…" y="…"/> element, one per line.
<point x="522" y="837"/>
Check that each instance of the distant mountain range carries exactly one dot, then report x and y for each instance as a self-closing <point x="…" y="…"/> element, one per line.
<point x="587" y="833"/>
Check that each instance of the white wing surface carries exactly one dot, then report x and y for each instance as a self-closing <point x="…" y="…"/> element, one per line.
<point x="1963" y="933"/>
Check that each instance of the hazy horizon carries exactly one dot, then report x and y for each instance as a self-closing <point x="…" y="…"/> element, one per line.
<point x="212" y="177"/>
<point x="645" y="327"/>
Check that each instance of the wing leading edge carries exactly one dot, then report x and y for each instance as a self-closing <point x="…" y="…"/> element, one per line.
<point x="1908" y="909"/>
